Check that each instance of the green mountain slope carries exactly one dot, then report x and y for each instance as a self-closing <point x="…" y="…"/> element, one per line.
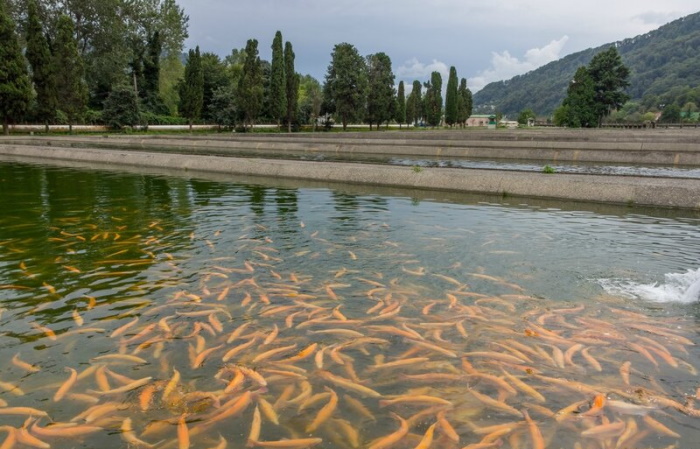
<point x="664" y="65"/>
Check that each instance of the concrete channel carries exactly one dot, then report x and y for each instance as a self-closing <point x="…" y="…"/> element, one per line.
<point x="215" y="153"/>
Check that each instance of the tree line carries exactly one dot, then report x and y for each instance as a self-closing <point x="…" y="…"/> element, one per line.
<point x="360" y="89"/>
<point x="64" y="62"/>
<point x="356" y="89"/>
<point x="119" y="62"/>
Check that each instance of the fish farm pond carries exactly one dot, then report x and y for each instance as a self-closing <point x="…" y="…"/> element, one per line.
<point x="157" y="309"/>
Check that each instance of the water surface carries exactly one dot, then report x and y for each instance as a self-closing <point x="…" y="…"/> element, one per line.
<point x="340" y="318"/>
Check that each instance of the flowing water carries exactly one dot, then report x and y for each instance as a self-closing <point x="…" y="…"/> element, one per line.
<point x="141" y="309"/>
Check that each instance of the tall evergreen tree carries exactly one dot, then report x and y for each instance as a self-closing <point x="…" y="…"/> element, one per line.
<point x="609" y="76"/>
<point x="292" y="86"/>
<point x="451" y="98"/>
<point x="39" y="56"/>
<point x="138" y="50"/>
<point x="121" y="108"/>
<point x="413" y="105"/>
<point x="278" y="82"/>
<point x="580" y="108"/>
<point x="15" y="87"/>
<point x="250" y="85"/>
<point x="410" y="109"/>
<point x="214" y="77"/>
<point x="380" y="92"/>
<point x="433" y="100"/>
<point x="71" y="90"/>
<point x="400" y="115"/>
<point x="346" y="84"/>
<point x="192" y="88"/>
<point x="150" y="91"/>
<point x="465" y="103"/>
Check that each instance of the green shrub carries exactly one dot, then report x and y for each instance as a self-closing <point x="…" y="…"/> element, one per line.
<point x="154" y="119"/>
<point x="121" y="108"/>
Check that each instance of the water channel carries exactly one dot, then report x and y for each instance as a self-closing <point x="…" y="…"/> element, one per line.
<point x="142" y="309"/>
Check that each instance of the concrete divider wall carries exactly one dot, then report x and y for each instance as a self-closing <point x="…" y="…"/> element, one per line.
<point x="665" y="192"/>
<point x="554" y="147"/>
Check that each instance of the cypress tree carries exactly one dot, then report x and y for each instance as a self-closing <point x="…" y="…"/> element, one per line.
<point x="292" y="85"/>
<point x="451" y="98"/>
<point x="192" y="88"/>
<point x="71" y="90"/>
<point x="413" y="107"/>
<point x="250" y="85"/>
<point x="278" y="81"/>
<point x="433" y="99"/>
<point x="401" y="106"/>
<point x="464" y="110"/>
<point x="39" y="56"/>
<point x="15" y="88"/>
<point x="410" y="109"/>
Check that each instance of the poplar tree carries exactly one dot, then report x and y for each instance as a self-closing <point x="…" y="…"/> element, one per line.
<point x="39" y="56"/>
<point x="250" y="85"/>
<point x="278" y="81"/>
<point x="465" y="104"/>
<point x="292" y="85"/>
<point x="192" y="88"/>
<point x="451" y="98"/>
<point x="346" y="84"/>
<point x="71" y="90"/>
<point x="400" y="116"/>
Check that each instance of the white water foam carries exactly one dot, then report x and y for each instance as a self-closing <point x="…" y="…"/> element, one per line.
<point x="677" y="287"/>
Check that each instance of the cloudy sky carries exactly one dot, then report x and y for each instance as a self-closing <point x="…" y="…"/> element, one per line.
<point x="485" y="40"/>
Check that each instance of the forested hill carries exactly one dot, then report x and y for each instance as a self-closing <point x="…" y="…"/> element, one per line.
<point x="664" y="65"/>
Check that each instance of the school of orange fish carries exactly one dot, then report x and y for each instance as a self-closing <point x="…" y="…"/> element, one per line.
<point x="253" y="354"/>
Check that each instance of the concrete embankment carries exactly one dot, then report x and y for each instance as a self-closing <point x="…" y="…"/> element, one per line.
<point x="667" y="147"/>
<point x="664" y="192"/>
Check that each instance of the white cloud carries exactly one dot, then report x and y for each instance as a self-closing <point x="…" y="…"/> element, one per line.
<point x="505" y="66"/>
<point x="414" y="69"/>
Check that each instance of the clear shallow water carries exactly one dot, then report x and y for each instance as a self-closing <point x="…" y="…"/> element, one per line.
<point x="590" y="168"/>
<point x="537" y="166"/>
<point x="428" y="286"/>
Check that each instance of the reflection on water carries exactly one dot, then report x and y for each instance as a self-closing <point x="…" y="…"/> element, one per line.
<point x="149" y="310"/>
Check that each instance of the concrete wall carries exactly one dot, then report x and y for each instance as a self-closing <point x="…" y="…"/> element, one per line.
<point x="671" y="147"/>
<point x="664" y="192"/>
